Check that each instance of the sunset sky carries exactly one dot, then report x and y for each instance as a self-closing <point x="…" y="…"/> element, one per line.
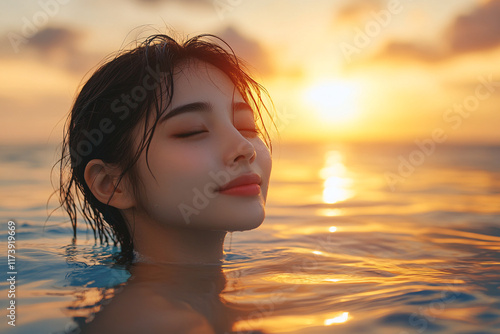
<point x="338" y="70"/>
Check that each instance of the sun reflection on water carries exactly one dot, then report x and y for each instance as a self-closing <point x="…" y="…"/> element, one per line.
<point x="337" y="186"/>
<point x="337" y="320"/>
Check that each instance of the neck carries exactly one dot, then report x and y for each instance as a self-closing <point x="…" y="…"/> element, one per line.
<point x="184" y="279"/>
<point x="179" y="245"/>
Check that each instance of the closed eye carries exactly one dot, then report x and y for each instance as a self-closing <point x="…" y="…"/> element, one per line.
<point x="189" y="134"/>
<point x="249" y="132"/>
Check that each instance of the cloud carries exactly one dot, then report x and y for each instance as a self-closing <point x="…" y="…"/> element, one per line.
<point x="248" y="49"/>
<point x="192" y="3"/>
<point x="43" y="40"/>
<point x="61" y="47"/>
<point x="476" y="31"/>
<point x="58" y="47"/>
<point x="55" y="39"/>
<point x="355" y="11"/>
<point x="408" y="50"/>
<point x="479" y="30"/>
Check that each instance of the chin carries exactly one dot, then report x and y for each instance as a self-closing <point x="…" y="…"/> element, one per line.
<point x="233" y="221"/>
<point x="246" y="226"/>
<point x="245" y="220"/>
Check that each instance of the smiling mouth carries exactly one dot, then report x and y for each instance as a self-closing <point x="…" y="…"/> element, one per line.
<point x="244" y="185"/>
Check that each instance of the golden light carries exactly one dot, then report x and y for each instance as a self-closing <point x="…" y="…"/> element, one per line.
<point x="332" y="229"/>
<point x="303" y="278"/>
<point x="337" y="186"/>
<point x="336" y="101"/>
<point x="337" y="320"/>
<point x="335" y="280"/>
<point x="329" y="212"/>
<point x="336" y="189"/>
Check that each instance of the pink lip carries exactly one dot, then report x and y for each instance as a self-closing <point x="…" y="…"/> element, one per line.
<point x="245" y="185"/>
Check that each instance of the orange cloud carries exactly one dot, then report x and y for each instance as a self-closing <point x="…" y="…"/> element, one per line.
<point x="476" y="31"/>
<point x="199" y="3"/>
<point x="50" y="38"/>
<point x="354" y="11"/>
<point x="58" y="47"/>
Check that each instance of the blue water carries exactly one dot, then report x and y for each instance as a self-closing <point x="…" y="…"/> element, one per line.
<point x="344" y="248"/>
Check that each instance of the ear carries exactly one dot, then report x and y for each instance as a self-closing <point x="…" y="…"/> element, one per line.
<point x="102" y="179"/>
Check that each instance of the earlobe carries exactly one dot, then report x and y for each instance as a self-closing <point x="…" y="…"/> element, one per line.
<point x="103" y="181"/>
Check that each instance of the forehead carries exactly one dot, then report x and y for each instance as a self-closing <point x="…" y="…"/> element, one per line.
<point x="199" y="81"/>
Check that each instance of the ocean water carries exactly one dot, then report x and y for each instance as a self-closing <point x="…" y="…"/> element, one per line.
<point x="357" y="239"/>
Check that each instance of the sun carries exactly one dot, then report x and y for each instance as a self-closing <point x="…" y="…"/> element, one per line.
<point x="335" y="101"/>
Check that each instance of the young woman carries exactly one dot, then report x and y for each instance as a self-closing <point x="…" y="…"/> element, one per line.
<point x="164" y="153"/>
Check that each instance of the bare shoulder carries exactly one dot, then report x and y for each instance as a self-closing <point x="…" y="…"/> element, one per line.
<point x="141" y="310"/>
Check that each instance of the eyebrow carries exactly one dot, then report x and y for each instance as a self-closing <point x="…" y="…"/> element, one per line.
<point x="190" y="107"/>
<point x="201" y="106"/>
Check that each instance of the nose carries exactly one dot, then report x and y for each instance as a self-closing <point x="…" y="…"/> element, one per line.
<point x="240" y="149"/>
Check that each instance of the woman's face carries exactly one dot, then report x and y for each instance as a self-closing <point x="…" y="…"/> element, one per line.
<point x="205" y="139"/>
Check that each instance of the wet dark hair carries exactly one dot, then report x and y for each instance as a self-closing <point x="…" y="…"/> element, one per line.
<point x="134" y="87"/>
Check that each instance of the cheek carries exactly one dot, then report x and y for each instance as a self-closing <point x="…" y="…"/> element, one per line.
<point x="264" y="161"/>
<point x="181" y="163"/>
<point x="176" y="176"/>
